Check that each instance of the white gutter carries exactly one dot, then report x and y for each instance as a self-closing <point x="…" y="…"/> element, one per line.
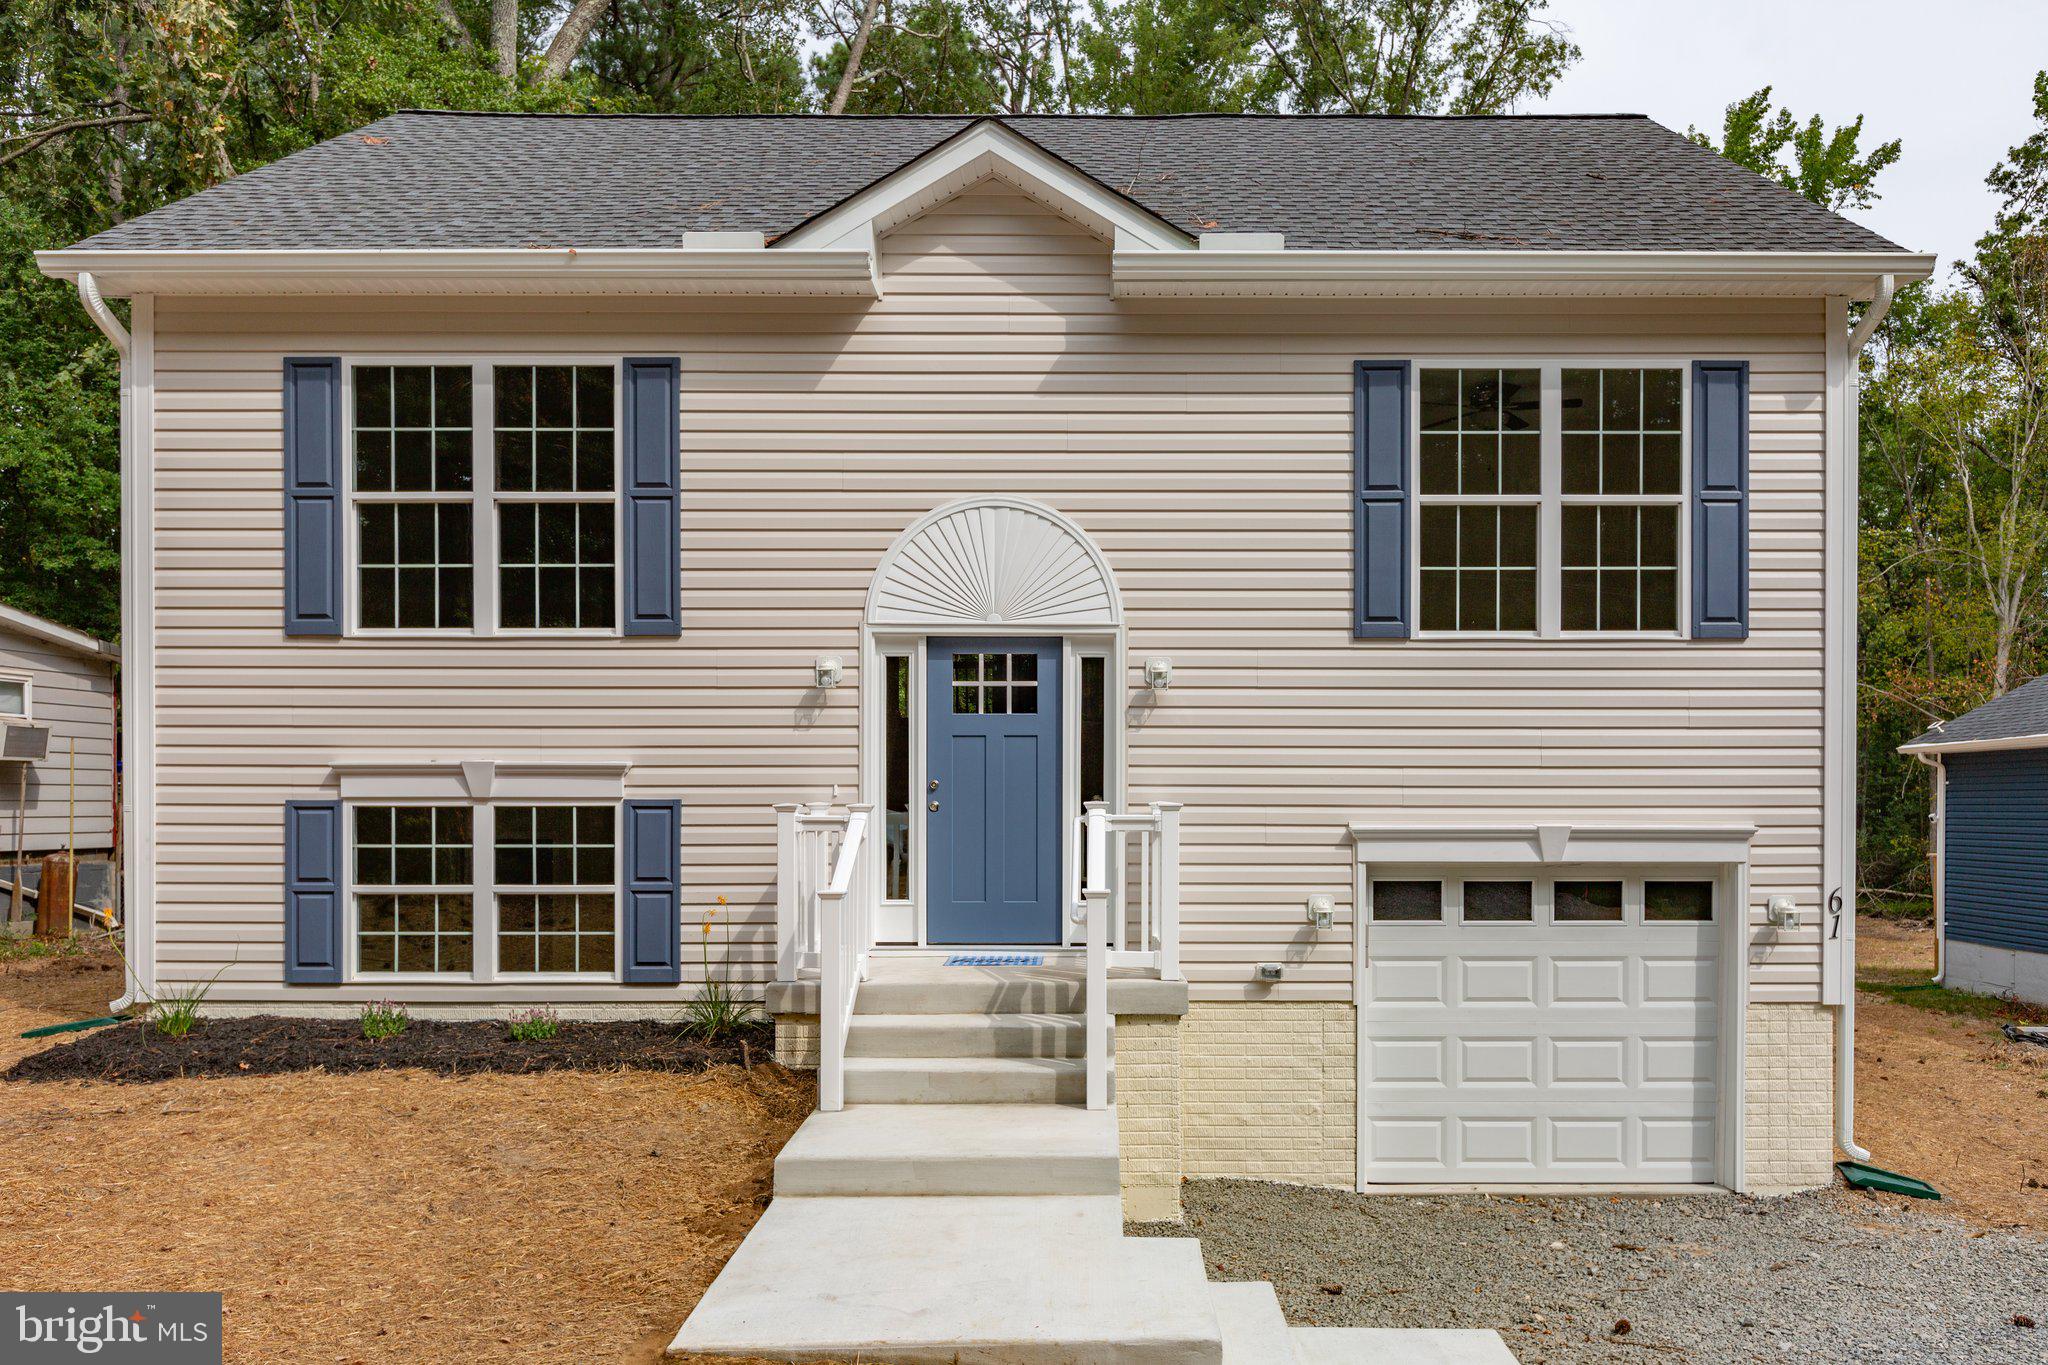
<point x="1845" y="1013"/>
<point x="1310" y="273"/>
<point x="103" y="318"/>
<point x="1972" y="746"/>
<point x="537" y="270"/>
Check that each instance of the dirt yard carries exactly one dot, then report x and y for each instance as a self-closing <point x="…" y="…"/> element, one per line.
<point x="386" y="1216"/>
<point x="1944" y="1096"/>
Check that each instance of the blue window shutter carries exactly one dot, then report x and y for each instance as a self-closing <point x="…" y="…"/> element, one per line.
<point x="312" y="893"/>
<point x="1720" y="500"/>
<point x="312" y="496"/>
<point x="651" y="897"/>
<point x="653" y="548"/>
<point x="1379" y="507"/>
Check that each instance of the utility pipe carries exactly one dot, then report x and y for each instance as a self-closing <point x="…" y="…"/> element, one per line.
<point x="104" y="319"/>
<point x="1845" y="1013"/>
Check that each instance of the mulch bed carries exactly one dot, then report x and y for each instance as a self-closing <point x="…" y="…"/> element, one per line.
<point x="271" y="1045"/>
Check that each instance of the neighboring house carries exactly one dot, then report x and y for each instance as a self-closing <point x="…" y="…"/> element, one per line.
<point x="1990" y="843"/>
<point x="1432" y="539"/>
<point x="56" y="747"/>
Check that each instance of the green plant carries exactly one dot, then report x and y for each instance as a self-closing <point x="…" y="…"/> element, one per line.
<point x="176" y="1013"/>
<point x="717" y="1009"/>
<point x="534" y="1025"/>
<point x="384" y="1019"/>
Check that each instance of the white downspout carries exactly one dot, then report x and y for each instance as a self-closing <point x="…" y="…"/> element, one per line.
<point x="1845" y="1013"/>
<point x="103" y="318"/>
<point x="1938" y="839"/>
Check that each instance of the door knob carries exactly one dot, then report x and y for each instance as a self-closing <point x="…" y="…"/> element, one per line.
<point x="934" y="805"/>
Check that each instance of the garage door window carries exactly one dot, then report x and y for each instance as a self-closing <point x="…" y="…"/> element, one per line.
<point x="1500" y="902"/>
<point x="1678" y="902"/>
<point x="1408" y="902"/>
<point x="1587" y="903"/>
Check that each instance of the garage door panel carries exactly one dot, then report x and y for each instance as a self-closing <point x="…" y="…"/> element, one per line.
<point x="1407" y="1061"/>
<point x="1409" y="980"/>
<point x="1496" y="981"/>
<point x="1496" y="1061"/>
<point x="1542" y="1054"/>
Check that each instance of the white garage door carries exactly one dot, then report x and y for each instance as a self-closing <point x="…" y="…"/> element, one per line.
<point x="1542" y="1031"/>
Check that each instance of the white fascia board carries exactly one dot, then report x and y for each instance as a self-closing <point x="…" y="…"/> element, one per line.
<point x="50" y="633"/>
<point x="1537" y="845"/>
<point x="843" y="272"/>
<point x="989" y="150"/>
<point x="1310" y="274"/>
<point x="1970" y="746"/>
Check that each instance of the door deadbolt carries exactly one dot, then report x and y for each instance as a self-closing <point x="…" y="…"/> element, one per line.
<point x="934" y="784"/>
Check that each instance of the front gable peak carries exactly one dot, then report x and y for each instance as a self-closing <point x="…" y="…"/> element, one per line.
<point x="987" y="150"/>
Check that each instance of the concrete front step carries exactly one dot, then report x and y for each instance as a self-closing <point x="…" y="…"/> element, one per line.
<point x="967" y="1035"/>
<point x="970" y="990"/>
<point x="1399" y="1346"/>
<point x="1254" y="1330"/>
<point x="942" y="1149"/>
<point x="1040" y="1280"/>
<point x="969" y="1080"/>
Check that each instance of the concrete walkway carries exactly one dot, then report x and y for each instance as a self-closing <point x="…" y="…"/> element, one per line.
<point x="964" y="1214"/>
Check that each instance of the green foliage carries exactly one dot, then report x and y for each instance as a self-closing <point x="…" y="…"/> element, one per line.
<point x="176" y="1014"/>
<point x="1913" y="988"/>
<point x="534" y="1025"/>
<point x="384" y="1019"/>
<point x="1827" y="166"/>
<point x="717" y="1009"/>
<point x="1174" y="57"/>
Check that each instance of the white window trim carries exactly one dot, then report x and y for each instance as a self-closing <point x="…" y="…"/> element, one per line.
<point x="483" y="497"/>
<point x="1550" y="498"/>
<point x="1543" y="893"/>
<point x="482" y="890"/>
<point x="28" y="698"/>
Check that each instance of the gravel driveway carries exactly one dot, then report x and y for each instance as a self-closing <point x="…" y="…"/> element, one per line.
<point x="1829" y="1276"/>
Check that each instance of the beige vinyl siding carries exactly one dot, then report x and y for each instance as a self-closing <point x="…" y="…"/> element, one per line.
<point x="73" y="696"/>
<point x="1207" y="449"/>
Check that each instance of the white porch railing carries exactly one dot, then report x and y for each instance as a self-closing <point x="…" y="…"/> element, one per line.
<point x="825" y="921"/>
<point x="1127" y="898"/>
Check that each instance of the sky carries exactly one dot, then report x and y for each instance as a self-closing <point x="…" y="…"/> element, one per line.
<point x="1954" y="82"/>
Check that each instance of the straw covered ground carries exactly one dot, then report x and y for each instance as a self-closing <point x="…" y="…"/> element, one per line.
<point x="390" y="1215"/>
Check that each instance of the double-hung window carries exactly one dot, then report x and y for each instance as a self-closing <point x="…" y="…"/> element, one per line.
<point x="485" y="497"/>
<point x="485" y="891"/>
<point x="1550" y="499"/>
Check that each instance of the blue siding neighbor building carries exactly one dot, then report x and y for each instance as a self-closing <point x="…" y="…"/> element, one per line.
<point x="1991" y="843"/>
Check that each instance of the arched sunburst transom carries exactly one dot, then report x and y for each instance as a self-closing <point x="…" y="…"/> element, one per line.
<point x="994" y="562"/>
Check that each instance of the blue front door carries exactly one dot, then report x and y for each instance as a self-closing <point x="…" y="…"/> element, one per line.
<point x="992" y="806"/>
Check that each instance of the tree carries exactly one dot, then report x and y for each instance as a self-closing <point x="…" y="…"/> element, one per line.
<point x="1411" y="56"/>
<point x="1828" y="167"/>
<point x="700" y="56"/>
<point x="1173" y="57"/>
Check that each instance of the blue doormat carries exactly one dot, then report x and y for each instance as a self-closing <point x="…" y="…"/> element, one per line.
<point x="995" y="960"/>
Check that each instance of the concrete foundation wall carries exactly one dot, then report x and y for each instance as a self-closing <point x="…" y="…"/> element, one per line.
<point x="1996" y="971"/>
<point x="1789" y="1080"/>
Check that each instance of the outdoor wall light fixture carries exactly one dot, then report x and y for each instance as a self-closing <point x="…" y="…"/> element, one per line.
<point x="828" y="670"/>
<point x="1159" y="674"/>
<point x="1322" y="910"/>
<point x="1782" y="912"/>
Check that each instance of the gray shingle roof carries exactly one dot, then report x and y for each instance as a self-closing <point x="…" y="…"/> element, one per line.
<point x="1540" y="182"/>
<point x="2020" y="713"/>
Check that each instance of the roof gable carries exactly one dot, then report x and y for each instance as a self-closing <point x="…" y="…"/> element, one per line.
<point x="986" y="150"/>
<point x="2003" y="722"/>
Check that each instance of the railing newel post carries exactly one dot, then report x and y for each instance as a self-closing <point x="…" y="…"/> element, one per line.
<point x="788" y="949"/>
<point x="1169" y="889"/>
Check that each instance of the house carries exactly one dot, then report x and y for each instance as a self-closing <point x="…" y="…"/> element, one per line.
<point x="1376" y="593"/>
<point x="1990" y="844"/>
<point x="56" y="756"/>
